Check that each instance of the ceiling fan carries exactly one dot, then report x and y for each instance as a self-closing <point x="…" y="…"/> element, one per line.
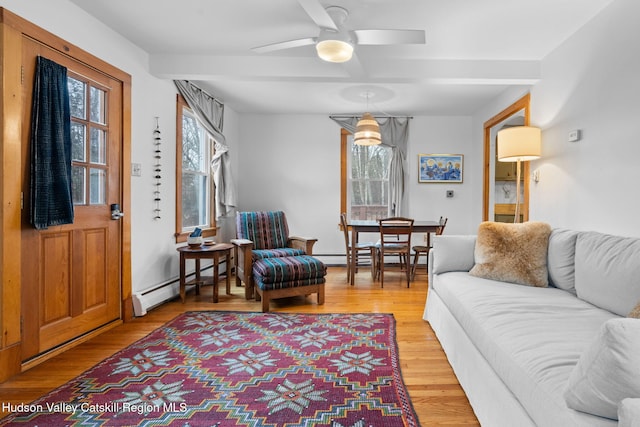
<point x="335" y="42"/>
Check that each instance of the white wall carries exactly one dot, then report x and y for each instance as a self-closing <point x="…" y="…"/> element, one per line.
<point x="444" y="135"/>
<point x="591" y="83"/>
<point x="154" y="256"/>
<point x="292" y="163"/>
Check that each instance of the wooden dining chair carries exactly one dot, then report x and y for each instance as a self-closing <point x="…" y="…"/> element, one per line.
<point x="361" y="249"/>
<point x="424" y="249"/>
<point x="395" y="239"/>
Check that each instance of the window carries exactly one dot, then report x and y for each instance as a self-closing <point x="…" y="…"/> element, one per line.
<point x="194" y="180"/>
<point x="365" y="179"/>
<point x="89" y="129"/>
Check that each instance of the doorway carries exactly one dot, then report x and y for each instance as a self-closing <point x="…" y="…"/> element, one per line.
<point x="75" y="278"/>
<point x="499" y="187"/>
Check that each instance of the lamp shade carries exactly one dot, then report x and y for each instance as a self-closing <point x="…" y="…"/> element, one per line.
<point x="367" y="131"/>
<point x="334" y="50"/>
<point x="519" y="143"/>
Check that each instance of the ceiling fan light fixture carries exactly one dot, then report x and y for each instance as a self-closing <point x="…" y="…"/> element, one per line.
<point x="332" y="50"/>
<point x="367" y="131"/>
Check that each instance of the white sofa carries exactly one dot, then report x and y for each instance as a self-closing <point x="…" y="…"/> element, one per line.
<point x="516" y="349"/>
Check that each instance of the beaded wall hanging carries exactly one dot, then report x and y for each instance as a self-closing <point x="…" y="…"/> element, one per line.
<point x="157" y="169"/>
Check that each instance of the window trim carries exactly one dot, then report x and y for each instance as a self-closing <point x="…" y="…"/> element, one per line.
<point x="344" y="172"/>
<point x="344" y="161"/>
<point x="180" y="235"/>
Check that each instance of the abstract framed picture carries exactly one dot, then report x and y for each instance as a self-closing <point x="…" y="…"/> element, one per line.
<point x="433" y="168"/>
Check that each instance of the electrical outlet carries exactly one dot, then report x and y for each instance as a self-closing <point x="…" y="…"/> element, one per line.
<point x="136" y="169"/>
<point x="536" y="175"/>
<point x="449" y="193"/>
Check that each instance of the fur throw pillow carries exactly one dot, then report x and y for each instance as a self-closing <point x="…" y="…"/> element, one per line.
<point x="515" y="253"/>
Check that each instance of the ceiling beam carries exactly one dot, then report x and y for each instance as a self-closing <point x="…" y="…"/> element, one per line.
<point x="310" y="69"/>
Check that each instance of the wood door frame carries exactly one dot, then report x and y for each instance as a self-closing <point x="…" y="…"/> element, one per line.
<point x="12" y="29"/>
<point x="521" y="104"/>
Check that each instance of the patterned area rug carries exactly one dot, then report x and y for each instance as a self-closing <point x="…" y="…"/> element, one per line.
<point x="226" y="369"/>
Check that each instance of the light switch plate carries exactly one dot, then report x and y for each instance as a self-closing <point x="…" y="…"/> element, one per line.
<point x="574" y="136"/>
<point x="136" y="169"/>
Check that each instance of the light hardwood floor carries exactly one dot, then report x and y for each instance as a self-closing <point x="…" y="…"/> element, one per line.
<point x="434" y="390"/>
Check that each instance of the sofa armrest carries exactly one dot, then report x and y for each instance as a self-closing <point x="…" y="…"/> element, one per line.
<point x="304" y="243"/>
<point x="629" y="412"/>
<point x="452" y="253"/>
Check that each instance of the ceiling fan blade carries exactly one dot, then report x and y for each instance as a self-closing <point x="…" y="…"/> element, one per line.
<point x="284" y="45"/>
<point x="354" y="67"/>
<point x="380" y="37"/>
<point x="319" y="15"/>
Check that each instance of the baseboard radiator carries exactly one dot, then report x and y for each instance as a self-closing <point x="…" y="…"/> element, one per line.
<point x="148" y="299"/>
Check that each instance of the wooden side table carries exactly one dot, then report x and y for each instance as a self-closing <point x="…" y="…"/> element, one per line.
<point x="212" y="252"/>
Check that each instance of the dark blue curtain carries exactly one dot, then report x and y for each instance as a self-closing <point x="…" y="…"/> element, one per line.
<point x="51" y="200"/>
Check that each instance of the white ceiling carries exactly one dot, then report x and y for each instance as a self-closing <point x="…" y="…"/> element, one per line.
<point x="475" y="50"/>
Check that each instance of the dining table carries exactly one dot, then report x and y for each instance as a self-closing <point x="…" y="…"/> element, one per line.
<point x="372" y="226"/>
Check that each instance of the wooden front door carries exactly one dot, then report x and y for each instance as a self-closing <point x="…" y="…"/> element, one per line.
<point x="71" y="273"/>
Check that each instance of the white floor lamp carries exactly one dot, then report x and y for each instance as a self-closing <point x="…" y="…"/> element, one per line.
<point x="519" y="144"/>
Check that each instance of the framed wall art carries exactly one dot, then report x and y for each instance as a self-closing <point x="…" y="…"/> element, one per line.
<point x="440" y="168"/>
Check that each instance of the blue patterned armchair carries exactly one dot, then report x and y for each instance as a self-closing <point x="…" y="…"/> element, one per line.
<point x="262" y="235"/>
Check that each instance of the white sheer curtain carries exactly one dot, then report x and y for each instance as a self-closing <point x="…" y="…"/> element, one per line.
<point x="395" y="134"/>
<point x="210" y="113"/>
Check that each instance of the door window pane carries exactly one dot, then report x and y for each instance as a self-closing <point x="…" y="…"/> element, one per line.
<point x="77" y="141"/>
<point x="98" y="105"/>
<point x="78" y="189"/>
<point x="97" y="186"/>
<point x="89" y="139"/>
<point x="77" y="97"/>
<point x="98" y="146"/>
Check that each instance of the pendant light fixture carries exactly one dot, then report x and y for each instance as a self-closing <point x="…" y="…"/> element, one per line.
<point x="367" y="129"/>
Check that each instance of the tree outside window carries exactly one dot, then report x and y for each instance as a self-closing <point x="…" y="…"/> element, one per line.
<point x="367" y="180"/>
<point x="194" y="189"/>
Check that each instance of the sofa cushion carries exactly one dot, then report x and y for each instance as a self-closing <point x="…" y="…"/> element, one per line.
<point x="532" y="338"/>
<point x="288" y="269"/>
<point x="561" y="259"/>
<point x="608" y="271"/>
<point x="515" y="253"/>
<point x="453" y="253"/>
<point x="608" y="371"/>
<point x="629" y="412"/>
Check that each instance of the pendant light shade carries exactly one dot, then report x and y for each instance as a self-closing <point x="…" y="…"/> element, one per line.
<point x="367" y="131"/>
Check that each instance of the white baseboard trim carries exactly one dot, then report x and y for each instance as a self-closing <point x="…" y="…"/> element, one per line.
<point x="145" y="300"/>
